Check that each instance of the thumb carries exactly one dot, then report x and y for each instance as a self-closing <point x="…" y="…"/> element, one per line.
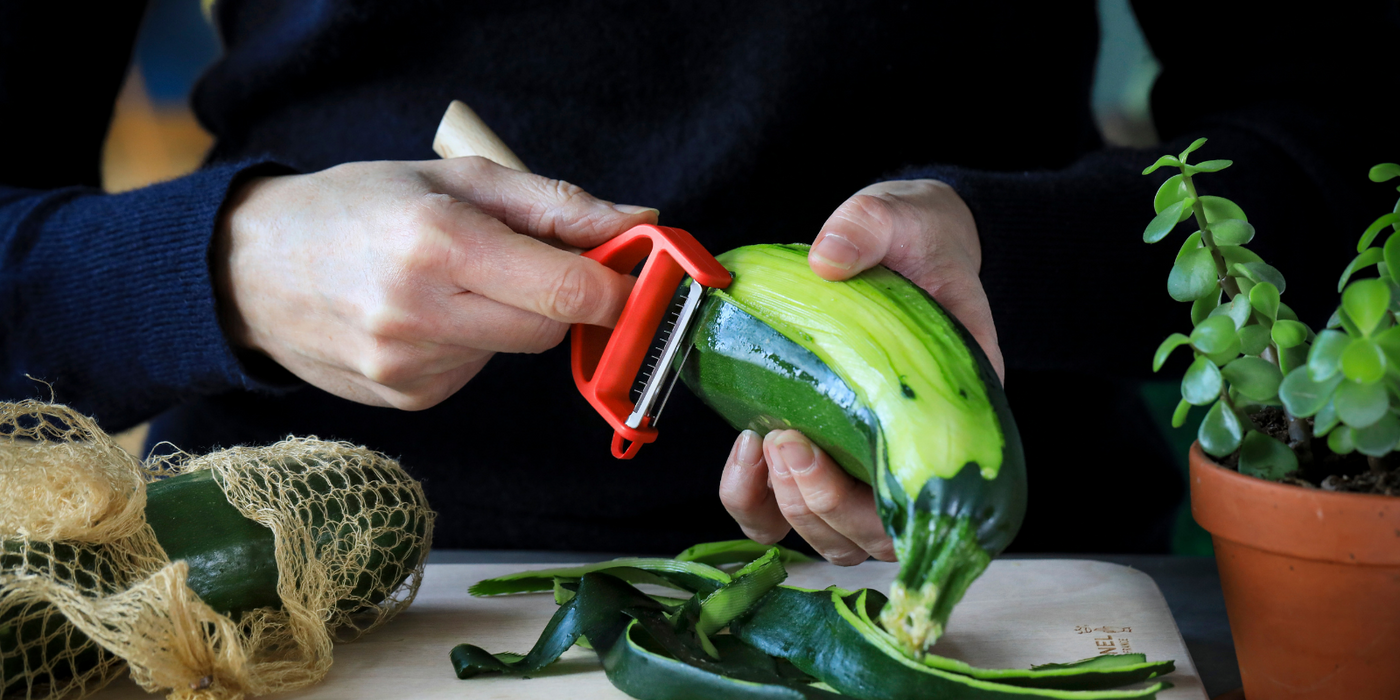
<point x="539" y="206"/>
<point x="922" y="230"/>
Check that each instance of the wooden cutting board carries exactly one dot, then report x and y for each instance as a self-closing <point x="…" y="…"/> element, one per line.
<point x="1021" y="612"/>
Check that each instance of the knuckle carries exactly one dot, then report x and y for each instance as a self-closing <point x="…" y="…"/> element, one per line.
<point x="824" y="502"/>
<point x="737" y="499"/>
<point x="874" y="212"/>
<point x="883" y="550"/>
<point x="843" y="556"/>
<point x="429" y="212"/>
<point x="763" y="536"/>
<point x="475" y="166"/>
<point x="387" y="364"/>
<point x="557" y="199"/>
<point x="384" y="321"/>
<point x="546" y="334"/>
<point x="382" y="368"/>
<point x="794" y="512"/>
<point x="573" y="294"/>
<point x="415" y="401"/>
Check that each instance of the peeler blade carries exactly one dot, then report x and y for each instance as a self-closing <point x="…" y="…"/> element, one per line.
<point x="658" y="374"/>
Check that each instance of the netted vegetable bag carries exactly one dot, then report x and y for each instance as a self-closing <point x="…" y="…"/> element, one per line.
<point x="218" y="576"/>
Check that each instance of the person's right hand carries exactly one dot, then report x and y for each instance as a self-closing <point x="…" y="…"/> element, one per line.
<point x="392" y="283"/>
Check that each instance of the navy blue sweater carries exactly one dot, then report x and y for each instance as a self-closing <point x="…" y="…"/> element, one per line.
<point x="742" y="122"/>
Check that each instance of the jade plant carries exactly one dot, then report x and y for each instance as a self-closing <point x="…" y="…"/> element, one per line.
<point x="1271" y="383"/>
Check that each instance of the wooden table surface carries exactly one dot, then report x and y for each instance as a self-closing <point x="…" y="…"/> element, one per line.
<point x="1019" y="613"/>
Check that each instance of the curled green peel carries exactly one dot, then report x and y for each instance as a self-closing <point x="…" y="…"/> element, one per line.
<point x="784" y="643"/>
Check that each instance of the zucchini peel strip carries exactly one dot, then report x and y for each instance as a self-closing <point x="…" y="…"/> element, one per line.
<point x="783" y="643"/>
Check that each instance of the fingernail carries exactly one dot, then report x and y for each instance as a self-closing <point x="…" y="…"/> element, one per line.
<point x="633" y="209"/>
<point x="775" y="455"/>
<point x="796" y="452"/>
<point x="836" y="251"/>
<point x="750" y="448"/>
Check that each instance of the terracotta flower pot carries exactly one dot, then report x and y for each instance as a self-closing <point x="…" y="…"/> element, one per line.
<point x="1311" y="581"/>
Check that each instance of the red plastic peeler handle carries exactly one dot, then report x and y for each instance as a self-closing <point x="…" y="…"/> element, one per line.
<point x="606" y="361"/>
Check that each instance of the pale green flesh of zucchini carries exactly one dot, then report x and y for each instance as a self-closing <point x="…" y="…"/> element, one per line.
<point x="901" y="354"/>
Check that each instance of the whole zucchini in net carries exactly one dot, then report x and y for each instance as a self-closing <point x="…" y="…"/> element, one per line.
<point x="895" y="390"/>
<point x="369" y="534"/>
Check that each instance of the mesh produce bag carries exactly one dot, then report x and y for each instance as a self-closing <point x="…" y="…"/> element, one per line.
<point x="86" y="589"/>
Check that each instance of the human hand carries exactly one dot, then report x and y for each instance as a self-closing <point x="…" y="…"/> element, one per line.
<point x="392" y="283"/>
<point x="923" y="230"/>
<point x="782" y="482"/>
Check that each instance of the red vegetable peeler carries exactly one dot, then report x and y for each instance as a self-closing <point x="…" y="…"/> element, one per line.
<point x="608" y="362"/>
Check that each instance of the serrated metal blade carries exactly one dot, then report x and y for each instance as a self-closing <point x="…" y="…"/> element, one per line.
<point x="658" y="370"/>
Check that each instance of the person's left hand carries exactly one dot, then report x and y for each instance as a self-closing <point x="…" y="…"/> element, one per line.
<point x="923" y="230"/>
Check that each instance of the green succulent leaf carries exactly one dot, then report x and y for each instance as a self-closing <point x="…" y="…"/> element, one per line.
<point x="1201" y="383"/>
<point x="1384" y="171"/>
<point x="1238" y="255"/>
<point x="1224" y="357"/>
<point x="1379" y="438"/>
<point x="1220" y="432"/>
<point x="1368" y="257"/>
<point x="1263" y="457"/>
<point x="1192" y="148"/>
<point x="1202" y="307"/>
<point x="1220" y="209"/>
<point x="1162" y="162"/>
<point x="1363" y="361"/>
<point x="1375" y="228"/>
<point x="1325" y="420"/>
<point x="1264" y="298"/>
<point x="1392" y="257"/>
<point x="1291" y="358"/>
<point x="1191" y="243"/>
<point x="1288" y="334"/>
<point x="1193" y="276"/>
<point x="1343" y="319"/>
<point x="1172" y="191"/>
<point x="1304" y="396"/>
<point x="1164" y="350"/>
<point x="1214" y="334"/>
<point x="1286" y="312"/>
<point x="1183" y="408"/>
<point x="1389" y="342"/>
<point x="1253" y="339"/>
<point x="1232" y="232"/>
<point x="1359" y="405"/>
<point x="1366" y="301"/>
<point x="1237" y="310"/>
<point x="1260" y="272"/>
<point x="1256" y="379"/>
<point x="1208" y="166"/>
<point x="1325" y="357"/>
<point x="1340" y="441"/>
<point x="1163" y="223"/>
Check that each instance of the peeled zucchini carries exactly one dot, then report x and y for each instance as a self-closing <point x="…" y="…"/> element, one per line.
<point x="894" y="389"/>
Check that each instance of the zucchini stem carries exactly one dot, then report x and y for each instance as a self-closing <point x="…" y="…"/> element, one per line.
<point x="934" y="573"/>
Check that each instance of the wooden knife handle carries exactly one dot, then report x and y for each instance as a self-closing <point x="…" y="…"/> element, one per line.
<point x="463" y="133"/>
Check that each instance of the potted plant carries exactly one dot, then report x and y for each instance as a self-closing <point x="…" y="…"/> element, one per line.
<point x="1293" y="472"/>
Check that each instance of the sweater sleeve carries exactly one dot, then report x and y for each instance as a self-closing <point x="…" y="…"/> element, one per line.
<point x="105" y="298"/>
<point x="1071" y="283"/>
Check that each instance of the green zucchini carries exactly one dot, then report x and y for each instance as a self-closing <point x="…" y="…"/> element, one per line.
<point x="878" y="375"/>
<point x="232" y="563"/>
